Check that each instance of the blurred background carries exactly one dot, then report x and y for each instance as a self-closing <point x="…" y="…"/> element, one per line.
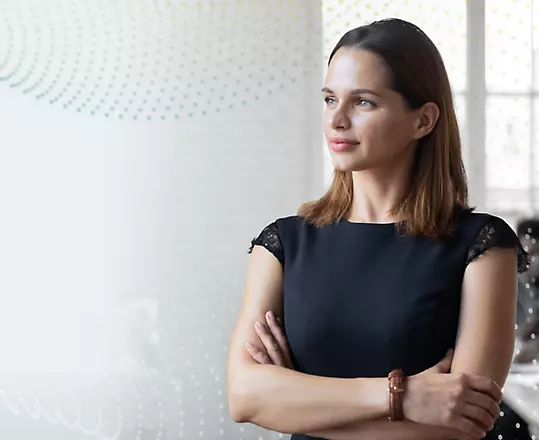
<point x="144" y="143"/>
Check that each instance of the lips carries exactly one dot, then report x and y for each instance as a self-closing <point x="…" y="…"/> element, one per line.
<point x="339" y="144"/>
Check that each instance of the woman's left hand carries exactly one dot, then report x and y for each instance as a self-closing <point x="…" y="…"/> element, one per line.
<point x="276" y="350"/>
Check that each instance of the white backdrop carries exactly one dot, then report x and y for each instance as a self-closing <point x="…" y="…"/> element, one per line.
<point x="144" y="144"/>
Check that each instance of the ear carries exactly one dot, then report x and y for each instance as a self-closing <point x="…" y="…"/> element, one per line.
<point x="427" y="116"/>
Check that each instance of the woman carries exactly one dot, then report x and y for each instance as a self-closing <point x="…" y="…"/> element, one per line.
<point x="382" y="274"/>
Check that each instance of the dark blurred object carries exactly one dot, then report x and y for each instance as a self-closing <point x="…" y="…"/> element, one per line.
<point x="528" y="294"/>
<point x="528" y="283"/>
<point x="509" y="426"/>
<point x="528" y="353"/>
<point x="529" y="330"/>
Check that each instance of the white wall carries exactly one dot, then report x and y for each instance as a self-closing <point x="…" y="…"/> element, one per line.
<point x="144" y="144"/>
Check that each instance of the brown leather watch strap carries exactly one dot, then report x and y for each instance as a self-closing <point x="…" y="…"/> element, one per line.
<point x="396" y="395"/>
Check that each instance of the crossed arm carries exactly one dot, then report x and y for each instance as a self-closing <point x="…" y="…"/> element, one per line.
<point x="343" y="409"/>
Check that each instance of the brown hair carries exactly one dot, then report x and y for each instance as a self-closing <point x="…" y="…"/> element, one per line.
<point x="438" y="186"/>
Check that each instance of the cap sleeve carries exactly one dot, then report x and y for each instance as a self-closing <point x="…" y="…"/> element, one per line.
<point x="270" y="239"/>
<point x="497" y="233"/>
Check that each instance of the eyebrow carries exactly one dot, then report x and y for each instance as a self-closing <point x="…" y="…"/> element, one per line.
<point x="353" y="92"/>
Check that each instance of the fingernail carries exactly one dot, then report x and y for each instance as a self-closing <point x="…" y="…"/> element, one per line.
<point x="248" y="345"/>
<point x="269" y="315"/>
<point x="258" y="326"/>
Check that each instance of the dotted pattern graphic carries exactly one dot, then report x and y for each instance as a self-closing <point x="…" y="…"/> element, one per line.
<point x="169" y="383"/>
<point x="150" y="60"/>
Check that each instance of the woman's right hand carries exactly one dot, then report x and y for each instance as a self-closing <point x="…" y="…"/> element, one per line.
<point x="467" y="403"/>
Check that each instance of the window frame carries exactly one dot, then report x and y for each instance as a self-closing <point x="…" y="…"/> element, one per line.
<point x="476" y="97"/>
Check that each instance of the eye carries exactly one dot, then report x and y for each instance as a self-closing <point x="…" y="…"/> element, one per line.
<point x="365" y="103"/>
<point x="329" y="100"/>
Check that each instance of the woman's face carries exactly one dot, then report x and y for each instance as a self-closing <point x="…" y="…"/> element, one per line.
<point x="366" y="124"/>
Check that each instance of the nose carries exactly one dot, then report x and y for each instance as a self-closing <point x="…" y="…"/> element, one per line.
<point x="340" y="120"/>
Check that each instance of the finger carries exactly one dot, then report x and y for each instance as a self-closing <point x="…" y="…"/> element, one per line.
<point x="277" y="330"/>
<point x="444" y="365"/>
<point x="258" y="355"/>
<point x="468" y="427"/>
<point x="479" y="415"/>
<point x="288" y="353"/>
<point x="270" y="343"/>
<point x="485" y="385"/>
<point x="483" y="401"/>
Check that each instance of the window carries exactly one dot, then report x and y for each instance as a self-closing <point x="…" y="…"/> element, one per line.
<point x="488" y="48"/>
<point x="511" y="106"/>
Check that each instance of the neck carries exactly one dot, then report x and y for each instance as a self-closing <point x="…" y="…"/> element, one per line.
<point x="377" y="192"/>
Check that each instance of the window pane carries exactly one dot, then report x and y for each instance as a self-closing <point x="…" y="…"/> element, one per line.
<point x="444" y="22"/>
<point x="536" y="44"/>
<point x="508" y="143"/>
<point x="460" y="110"/>
<point x="508" y="201"/>
<point x="508" y="45"/>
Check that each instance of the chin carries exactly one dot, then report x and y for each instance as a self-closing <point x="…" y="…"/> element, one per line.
<point x="349" y="165"/>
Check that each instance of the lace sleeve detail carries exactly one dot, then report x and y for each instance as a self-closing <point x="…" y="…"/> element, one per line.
<point x="270" y="239"/>
<point x="497" y="233"/>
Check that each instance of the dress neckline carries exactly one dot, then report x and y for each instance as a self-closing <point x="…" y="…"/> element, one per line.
<point x="343" y="220"/>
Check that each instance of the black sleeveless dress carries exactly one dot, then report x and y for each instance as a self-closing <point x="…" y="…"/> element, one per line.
<point x="361" y="299"/>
